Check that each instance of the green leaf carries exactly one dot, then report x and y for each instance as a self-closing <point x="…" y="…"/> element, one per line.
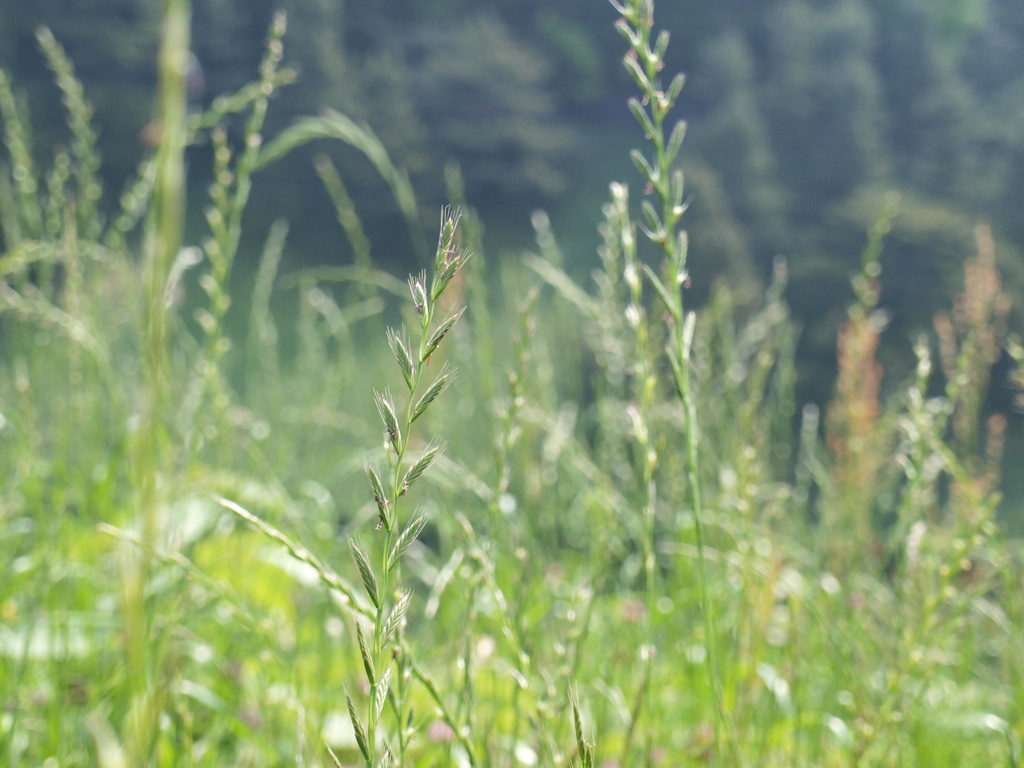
<point x="334" y="757"/>
<point x="300" y="553"/>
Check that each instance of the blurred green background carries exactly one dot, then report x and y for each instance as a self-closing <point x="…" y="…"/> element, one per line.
<point x="864" y="600"/>
<point x="802" y="113"/>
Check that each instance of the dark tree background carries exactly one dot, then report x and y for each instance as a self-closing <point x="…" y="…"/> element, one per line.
<point x="803" y="114"/>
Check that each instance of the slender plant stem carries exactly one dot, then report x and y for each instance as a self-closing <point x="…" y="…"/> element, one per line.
<point x="644" y="63"/>
<point x="149" y="455"/>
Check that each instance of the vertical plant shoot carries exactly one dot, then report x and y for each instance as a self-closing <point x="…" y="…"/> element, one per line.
<point x="382" y="653"/>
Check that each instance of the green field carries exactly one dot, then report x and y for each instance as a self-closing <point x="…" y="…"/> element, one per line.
<point x="489" y="515"/>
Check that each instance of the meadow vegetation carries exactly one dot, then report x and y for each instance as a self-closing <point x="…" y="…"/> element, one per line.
<point x="486" y="516"/>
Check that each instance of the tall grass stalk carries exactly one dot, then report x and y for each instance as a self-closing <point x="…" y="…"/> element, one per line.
<point x="229" y="195"/>
<point x="644" y="63"/>
<point x="84" y="140"/>
<point x="150" y="456"/>
<point x="387" y="681"/>
<point x="640" y="412"/>
<point x="21" y="215"/>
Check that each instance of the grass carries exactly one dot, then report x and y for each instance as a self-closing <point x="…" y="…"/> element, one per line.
<point x="612" y="538"/>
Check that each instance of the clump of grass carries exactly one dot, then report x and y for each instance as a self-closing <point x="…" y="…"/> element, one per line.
<point x="617" y="569"/>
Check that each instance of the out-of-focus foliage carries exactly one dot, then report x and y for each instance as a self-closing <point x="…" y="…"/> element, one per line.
<point x="797" y="108"/>
<point x="480" y="96"/>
